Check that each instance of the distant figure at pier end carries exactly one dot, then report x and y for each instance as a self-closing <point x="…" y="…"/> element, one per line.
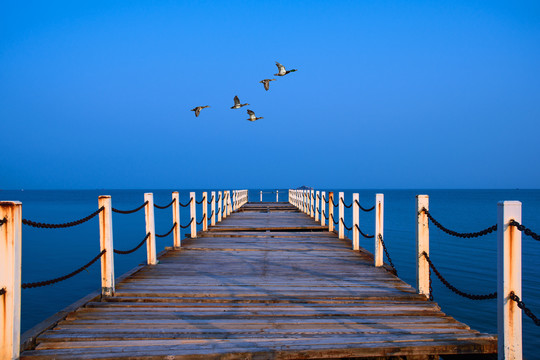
<point x="237" y="104"/>
<point x="198" y="109"/>
<point x="266" y="83"/>
<point x="252" y="116"/>
<point x="282" y="71"/>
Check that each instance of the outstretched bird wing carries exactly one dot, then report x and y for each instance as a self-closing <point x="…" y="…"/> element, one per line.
<point x="281" y="68"/>
<point x="236" y="100"/>
<point x="250" y="112"/>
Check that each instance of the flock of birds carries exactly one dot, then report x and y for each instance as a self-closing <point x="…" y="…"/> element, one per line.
<point x="237" y="105"/>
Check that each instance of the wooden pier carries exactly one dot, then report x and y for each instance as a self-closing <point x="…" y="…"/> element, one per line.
<point x="267" y="282"/>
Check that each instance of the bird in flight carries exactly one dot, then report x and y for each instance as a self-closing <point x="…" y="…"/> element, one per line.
<point x="252" y="116"/>
<point x="198" y="109"/>
<point x="237" y="104"/>
<point x="266" y="83"/>
<point x="282" y="71"/>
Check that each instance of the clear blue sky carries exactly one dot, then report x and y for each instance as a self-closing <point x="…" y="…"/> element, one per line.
<point x="388" y="94"/>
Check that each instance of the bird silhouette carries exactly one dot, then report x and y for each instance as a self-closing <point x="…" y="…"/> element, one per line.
<point x="282" y="71"/>
<point x="252" y="116"/>
<point x="266" y="83"/>
<point x="198" y="109"/>
<point x="237" y="104"/>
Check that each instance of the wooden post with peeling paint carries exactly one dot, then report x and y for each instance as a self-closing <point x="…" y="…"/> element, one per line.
<point x="379" y="229"/>
<point x="261" y="195"/>
<point x="422" y="244"/>
<point x="10" y="279"/>
<point x="220" y="207"/>
<point x="204" y="211"/>
<point x="323" y="208"/>
<point x="229" y="207"/>
<point x="177" y="241"/>
<point x="277" y="195"/>
<point x="341" y="220"/>
<point x="355" y="221"/>
<point x="213" y="209"/>
<point x="317" y="201"/>
<point x="151" y="257"/>
<point x="311" y="203"/>
<point x="193" y="214"/>
<point x="330" y="211"/>
<point x="106" y="243"/>
<point x="508" y="279"/>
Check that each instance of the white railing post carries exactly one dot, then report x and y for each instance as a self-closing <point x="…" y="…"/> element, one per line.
<point x="508" y="280"/>
<point x="323" y="208"/>
<point x="317" y="201"/>
<point x="306" y="202"/>
<point x="151" y="257"/>
<point x="177" y="242"/>
<point x="225" y="204"/>
<point x="379" y="229"/>
<point x="204" y="211"/>
<point x="213" y="209"/>
<point x="422" y="244"/>
<point x="220" y="206"/>
<point x="229" y="206"/>
<point x="312" y="203"/>
<point x="261" y="195"/>
<point x="10" y="279"/>
<point x="277" y="195"/>
<point x="355" y="221"/>
<point x="106" y="243"/>
<point x="193" y="214"/>
<point x="330" y="211"/>
<point x="341" y="220"/>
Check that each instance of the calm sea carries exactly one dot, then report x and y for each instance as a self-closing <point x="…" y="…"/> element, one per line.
<point x="469" y="264"/>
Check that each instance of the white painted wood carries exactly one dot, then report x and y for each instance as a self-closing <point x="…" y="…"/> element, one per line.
<point x="355" y="221"/>
<point x="323" y="208"/>
<point x="193" y="214"/>
<point x="220" y="206"/>
<point x="277" y="195"/>
<point x="261" y="195"/>
<point x="151" y="256"/>
<point x="106" y="243"/>
<point x="330" y="211"/>
<point x="379" y="229"/>
<point x="213" y="209"/>
<point x="10" y="279"/>
<point x="177" y="242"/>
<point x="205" y="211"/>
<point x="422" y="244"/>
<point x="229" y="208"/>
<point x="317" y="201"/>
<point x="312" y="203"/>
<point x="341" y="216"/>
<point x="509" y="315"/>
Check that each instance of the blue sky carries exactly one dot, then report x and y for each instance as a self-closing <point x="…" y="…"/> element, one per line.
<point x="388" y="94"/>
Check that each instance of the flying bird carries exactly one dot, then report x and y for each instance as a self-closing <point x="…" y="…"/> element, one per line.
<point x="266" y="83"/>
<point x="237" y="104"/>
<point x="252" y="116"/>
<point x="198" y="109"/>
<point x="282" y="71"/>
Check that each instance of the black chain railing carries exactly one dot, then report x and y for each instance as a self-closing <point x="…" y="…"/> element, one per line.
<point x="199" y="202"/>
<point x="186" y="204"/>
<point x="333" y="203"/>
<point x="363" y="208"/>
<point x="453" y="288"/>
<point x="64" y="225"/>
<point x="334" y="221"/>
<point x="458" y="234"/>
<point x="3" y="221"/>
<point x="343" y="202"/>
<point x="326" y="200"/>
<point x="219" y="198"/>
<point x="168" y="232"/>
<point x="387" y="254"/>
<point x="62" y="278"/>
<point x="345" y="226"/>
<point x="525" y="309"/>
<point x="125" y="252"/>
<point x="324" y="214"/>
<point x="525" y="230"/>
<point x="2" y="291"/>
<point x="362" y="233"/>
<point x="211" y="215"/>
<point x="202" y="220"/>
<point x="186" y="226"/>
<point x="211" y="199"/>
<point x="130" y="211"/>
<point x="166" y="206"/>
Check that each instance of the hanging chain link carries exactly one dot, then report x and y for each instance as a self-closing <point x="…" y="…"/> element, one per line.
<point x="186" y="204"/>
<point x="457" y="234"/>
<point x="130" y="211"/>
<point x="202" y="220"/>
<point x="345" y="226"/>
<point x="363" y="208"/>
<point x="527" y="231"/>
<point x="211" y="199"/>
<point x="2" y="291"/>
<point x="186" y="226"/>
<point x="362" y="233"/>
<point x="166" y="206"/>
<point x="343" y="202"/>
<point x="170" y="231"/>
<point x="3" y="221"/>
<point x="124" y="252"/>
<point x="526" y="310"/>
<point x="334" y="221"/>
<point x="64" y="225"/>
<point x="387" y="254"/>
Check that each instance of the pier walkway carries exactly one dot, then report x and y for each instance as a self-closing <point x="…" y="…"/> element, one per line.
<point x="267" y="282"/>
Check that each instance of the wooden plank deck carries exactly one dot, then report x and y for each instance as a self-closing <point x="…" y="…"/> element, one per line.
<point x="266" y="283"/>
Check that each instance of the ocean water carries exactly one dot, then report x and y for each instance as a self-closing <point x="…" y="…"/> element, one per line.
<point x="469" y="264"/>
